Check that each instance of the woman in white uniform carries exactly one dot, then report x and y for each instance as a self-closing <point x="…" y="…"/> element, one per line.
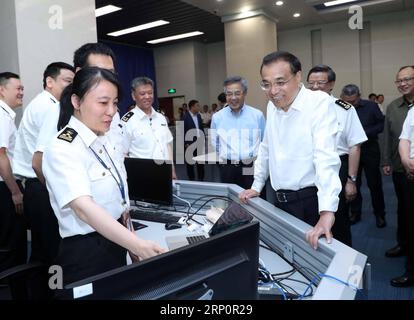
<point x="86" y="180"/>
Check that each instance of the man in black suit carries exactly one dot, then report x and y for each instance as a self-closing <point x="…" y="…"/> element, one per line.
<point x="193" y="140"/>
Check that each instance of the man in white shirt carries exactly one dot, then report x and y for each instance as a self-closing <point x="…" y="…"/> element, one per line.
<point x="206" y="116"/>
<point x="145" y="132"/>
<point x="44" y="229"/>
<point x="406" y="151"/>
<point x="299" y="148"/>
<point x="12" y="227"/>
<point x="350" y="136"/>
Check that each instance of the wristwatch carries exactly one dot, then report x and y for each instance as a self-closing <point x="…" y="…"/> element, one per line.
<point x="352" y="178"/>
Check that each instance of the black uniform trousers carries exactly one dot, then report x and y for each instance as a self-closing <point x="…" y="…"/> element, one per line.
<point x="408" y="224"/>
<point x="399" y="181"/>
<point x="82" y="256"/>
<point x="13" y="235"/>
<point x="303" y="204"/>
<point x="342" y="227"/>
<point x="235" y="173"/>
<point x="190" y="168"/>
<point x="43" y="222"/>
<point x="370" y="163"/>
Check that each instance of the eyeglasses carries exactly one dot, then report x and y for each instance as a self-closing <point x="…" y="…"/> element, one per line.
<point x="267" y="86"/>
<point x="319" y="83"/>
<point x="404" y="80"/>
<point x="233" y="93"/>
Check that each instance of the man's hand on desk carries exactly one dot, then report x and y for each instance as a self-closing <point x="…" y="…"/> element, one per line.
<point x="323" y="227"/>
<point x="247" y="194"/>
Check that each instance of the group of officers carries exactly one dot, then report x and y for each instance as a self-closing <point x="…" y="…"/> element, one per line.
<point x="64" y="167"/>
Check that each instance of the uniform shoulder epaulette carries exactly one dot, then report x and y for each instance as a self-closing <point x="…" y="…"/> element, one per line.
<point x="127" y="116"/>
<point x="68" y="135"/>
<point x="344" y="104"/>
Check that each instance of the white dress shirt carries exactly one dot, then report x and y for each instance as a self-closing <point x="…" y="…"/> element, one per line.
<point x="407" y="132"/>
<point x="35" y="118"/>
<point x="299" y="149"/>
<point x="72" y="170"/>
<point x="350" y="130"/>
<point x="144" y="136"/>
<point x="7" y="130"/>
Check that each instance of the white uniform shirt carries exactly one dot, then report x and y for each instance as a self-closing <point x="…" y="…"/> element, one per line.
<point x="7" y="130"/>
<point x="72" y="170"/>
<point x="49" y="128"/>
<point x="33" y="120"/>
<point x="299" y="149"/>
<point x="145" y="136"/>
<point x="407" y="132"/>
<point x="350" y="130"/>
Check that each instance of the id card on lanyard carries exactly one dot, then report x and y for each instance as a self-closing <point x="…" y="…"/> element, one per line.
<point x="126" y="218"/>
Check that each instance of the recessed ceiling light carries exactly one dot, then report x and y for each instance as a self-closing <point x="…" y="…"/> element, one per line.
<point x="245" y="9"/>
<point x="176" y="37"/>
<point x="139" y="28"/>
<point x="337" y="2"/>
<point x="279" y="3"/>
<point x="105" y="10"/>
<point x="296" y="15"/>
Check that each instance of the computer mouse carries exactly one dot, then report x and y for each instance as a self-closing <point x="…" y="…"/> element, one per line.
<point x="172" y="226"/>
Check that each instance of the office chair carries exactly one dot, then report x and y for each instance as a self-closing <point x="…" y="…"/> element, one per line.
<point x="27" y="281"/>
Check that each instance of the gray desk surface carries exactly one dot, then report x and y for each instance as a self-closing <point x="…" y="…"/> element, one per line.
<point x="275" y="264"/>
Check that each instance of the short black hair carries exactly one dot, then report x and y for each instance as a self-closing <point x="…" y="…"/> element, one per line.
<point x="372" y="95"/>
<point x="350" y="90"/>
<point x="5" y="76"/>
<point x="222" y="97"/>
<point x="192" y="103"/>
<point x="53" y="70"/>
<point x="295" y="65"/>
<point x="412" y="67"/>
<point x="323" y="68"/>
<point x="80" y="57"/>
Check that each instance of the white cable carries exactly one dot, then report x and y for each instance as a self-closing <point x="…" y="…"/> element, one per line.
<point x="183" y="200"/>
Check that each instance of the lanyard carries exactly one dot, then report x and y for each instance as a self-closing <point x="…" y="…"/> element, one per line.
<point x="120" y="183"/>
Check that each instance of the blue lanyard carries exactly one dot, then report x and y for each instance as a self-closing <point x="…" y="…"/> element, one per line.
<point x="120" y="183"/>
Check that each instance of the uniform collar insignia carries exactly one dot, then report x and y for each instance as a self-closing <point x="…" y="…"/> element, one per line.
<point x="343" y="104"/>
<point x="68" y="135"/>
<point x="127" y="116"/>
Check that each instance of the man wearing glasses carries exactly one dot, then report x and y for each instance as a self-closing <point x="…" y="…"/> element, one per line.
<point x="349" y="139"/>
<point x="396" y="113"/>
<point x="236" y="133"/>
<point x="298" y="150"/>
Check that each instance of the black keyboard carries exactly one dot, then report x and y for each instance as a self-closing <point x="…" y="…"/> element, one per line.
<point x="194" y="239"/>
<point x="161" y="217"/>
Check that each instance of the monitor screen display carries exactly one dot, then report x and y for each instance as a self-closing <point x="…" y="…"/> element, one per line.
<point x="149" y="181"/>
<point x="221" y="267"/>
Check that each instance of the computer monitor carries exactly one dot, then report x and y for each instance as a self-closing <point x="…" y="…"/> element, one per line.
<point x="149" y="181"/>
<point x="224" y="266"/>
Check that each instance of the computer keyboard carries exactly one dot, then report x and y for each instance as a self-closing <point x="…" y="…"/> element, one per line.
<point x="194" y="239"/>
<point x="157" y="216"/>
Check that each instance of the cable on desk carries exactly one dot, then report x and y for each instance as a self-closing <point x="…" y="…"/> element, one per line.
<point x="190" y="216"/>
<point x="322" y="275"/>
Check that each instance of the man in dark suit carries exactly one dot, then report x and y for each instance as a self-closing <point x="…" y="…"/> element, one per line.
<point x="372" y="121"/>
<point x="193" y="140"/>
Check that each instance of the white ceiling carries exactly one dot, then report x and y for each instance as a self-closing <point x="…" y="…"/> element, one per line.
<point x="309" y="15"/>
